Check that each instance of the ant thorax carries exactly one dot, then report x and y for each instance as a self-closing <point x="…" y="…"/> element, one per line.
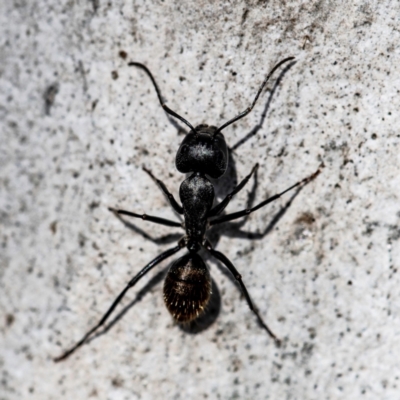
<point x="197" y="197"/>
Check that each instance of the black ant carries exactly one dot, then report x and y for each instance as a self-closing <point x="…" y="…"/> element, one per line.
<point x="187" y="286"/>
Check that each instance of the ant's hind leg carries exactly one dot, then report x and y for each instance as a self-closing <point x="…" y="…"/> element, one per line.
<point x="221" y="257"/>
<point x="133" y="281"/>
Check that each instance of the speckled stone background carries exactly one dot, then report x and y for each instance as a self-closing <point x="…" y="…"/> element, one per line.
<point x="77" y="125"/>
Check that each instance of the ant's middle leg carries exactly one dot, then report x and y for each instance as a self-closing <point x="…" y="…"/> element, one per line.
<point x="239" y="214"/>
<point x="145" y="217"/>
<point x="221" y="206"/>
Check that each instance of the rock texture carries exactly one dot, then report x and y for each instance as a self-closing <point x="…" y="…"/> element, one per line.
<point x="77" y="125"/>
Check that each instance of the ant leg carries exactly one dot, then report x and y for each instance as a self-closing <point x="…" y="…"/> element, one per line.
<point x="221" y="257"/>
<point x="221" y="206"/>
<point x="239" y="214"/>
<point x="248" y="109"/>
<point x="133" y="281"/>
<point x="171" y="198"/>
<point x="145" y="217"/>
<point x="160" y="99"/>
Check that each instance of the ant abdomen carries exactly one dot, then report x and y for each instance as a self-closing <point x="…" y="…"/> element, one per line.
<point x="187" y="288"/>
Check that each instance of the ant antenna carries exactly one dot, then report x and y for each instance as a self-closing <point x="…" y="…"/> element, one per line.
<point x="167" y="109"/>
<point x="247" y="110"/>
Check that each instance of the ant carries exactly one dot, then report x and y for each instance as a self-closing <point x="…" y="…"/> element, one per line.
<point x="187" y="286"/>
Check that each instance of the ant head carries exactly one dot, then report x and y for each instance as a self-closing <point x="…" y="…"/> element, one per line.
<point x="203" y="150"/>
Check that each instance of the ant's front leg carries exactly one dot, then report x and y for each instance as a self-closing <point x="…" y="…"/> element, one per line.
<point x="221" y="206"/>
<point x="171" y="198"/>
<point x="151" y="218"/>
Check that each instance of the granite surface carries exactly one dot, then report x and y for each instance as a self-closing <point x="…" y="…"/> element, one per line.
<point x="77" y="126"/>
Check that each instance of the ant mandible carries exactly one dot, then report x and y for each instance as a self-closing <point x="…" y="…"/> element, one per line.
<point x="187" y="286"/>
